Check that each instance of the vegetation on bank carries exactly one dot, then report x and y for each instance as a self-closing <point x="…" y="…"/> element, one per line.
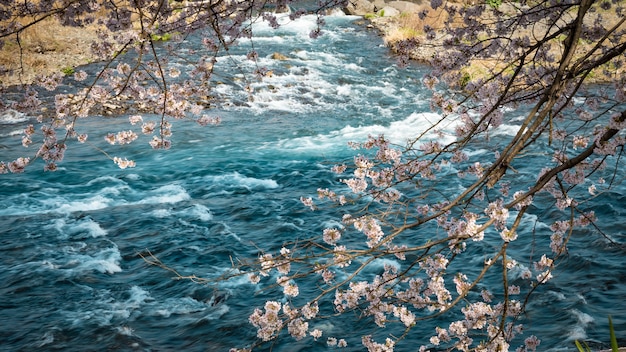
<point x="49" y="47"/>
<point x="410" y="26"/>
<point x="44" y="49"/>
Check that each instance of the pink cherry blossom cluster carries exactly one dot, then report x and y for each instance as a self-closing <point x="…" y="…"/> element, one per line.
<point x="398" y="198"/>
<point x="399" y="297"/>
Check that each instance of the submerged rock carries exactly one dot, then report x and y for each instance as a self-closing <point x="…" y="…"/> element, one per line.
<point x="279" y="56"/>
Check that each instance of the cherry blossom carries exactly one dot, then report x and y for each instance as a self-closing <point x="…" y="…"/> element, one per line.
<point x="393" y="200"/>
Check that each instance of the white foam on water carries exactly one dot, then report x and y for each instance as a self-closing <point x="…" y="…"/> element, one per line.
<point x="105" y="180"/>
<point x="138" y="296"/>
<point x="312" y="74"/>
<point x="310" y="85"/>
<point x="345" y="90"/>
<point x="81" y="317"/>
<point x="479" y="152"/>
<point x="233" y="282"/>
<point x="91" y="227"/>
<point x="517" y="271"/>
<point x="49" y="265"/>
<point x="266" y="100"/>
<point x="107" y="309"/>
<point x="160" y="213"/>
<point x="298" y="31"/>
<point x="329" y="224"/>
<point x="168" y="194"/>
<point x="58" y="225"/>
<point x="200" y="212"/>
<point x="558" y="295"/>
<point x="46" y="339"/>
<point x="578" y="331"/>
<point x="276" y="39"/>
<point x="12" y="133"/>
<point x="227" y="231"/>
<point x="125" y="330"/>
<point x="379" y="264"/>
<point x="318" y="72"/>
<point x="398" y="132"/>
<point x="300" y="27"/>
<point x="581" y="298"/>
<point x="61" y="200"/>
<point x="133" y="177"/>
<point x="218" y="312"/>
<point x="518" y="118"/>
<point x="328" y="329"/>
<point x="196" y="211"/>
<point x="289" y="226"/>
<point x="179" y="306"/>
<point x="293" y="91"/>
<point x="505" y="130"/>
<point x="323" y="60"/>
<point x="81" y="228"/>
<point x="236" y="179"/>
<point x="418" y="123"/>
<point x="353" y="67"/>
<point x="66" y="206"/>
<point x="11" y="116"/>
<point x="224" y="90"/>
<point x="106" y="261"/>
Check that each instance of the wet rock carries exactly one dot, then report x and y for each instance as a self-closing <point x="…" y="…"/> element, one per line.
<point x="359" y="7"/>
<point x="279" y="56"/>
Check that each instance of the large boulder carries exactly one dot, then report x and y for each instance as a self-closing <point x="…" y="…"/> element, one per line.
<point x="279" y="56"/>
<point x="406" y="6"/>
<point x="357" y="7"/>
<point x="362" y="7"/>
<point x="388" y="11"/>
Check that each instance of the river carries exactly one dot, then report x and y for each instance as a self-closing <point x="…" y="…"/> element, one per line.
<point x="71" y="277"/>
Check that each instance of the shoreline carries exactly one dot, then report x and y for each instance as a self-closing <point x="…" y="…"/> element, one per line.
<point x="393" y="17"/>
<point x="45" y="49"/>
<point x="50" y="48"/>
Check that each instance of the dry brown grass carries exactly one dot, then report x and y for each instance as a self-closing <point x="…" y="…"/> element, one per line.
<point x="43" y="49"/>
<point x="47" y="48"/>
<point x="410" y="26"/>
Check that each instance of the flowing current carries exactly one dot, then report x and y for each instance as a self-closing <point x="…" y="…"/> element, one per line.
<point x="71" y="275"/>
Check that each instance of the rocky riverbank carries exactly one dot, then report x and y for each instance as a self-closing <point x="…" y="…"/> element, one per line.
<point x="49" y="48"/>
<point x="45" y="49"/>
<point x="397" y="20"/>
<point x="400" y="20"/>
